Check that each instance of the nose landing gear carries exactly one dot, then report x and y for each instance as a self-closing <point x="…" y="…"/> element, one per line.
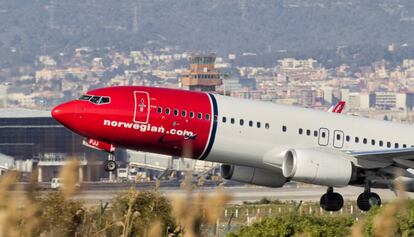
<point x="331" y="201"/>
<point x="110" y="165"/>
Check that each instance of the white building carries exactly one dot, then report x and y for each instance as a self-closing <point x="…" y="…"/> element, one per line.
<point x="390" y="100"/>
<point x="357" y="101"/>
<point x="291" y="63"/>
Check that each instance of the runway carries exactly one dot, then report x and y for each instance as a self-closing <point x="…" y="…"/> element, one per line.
<point x="94" y="193"/>
<point x="240" y="194"/>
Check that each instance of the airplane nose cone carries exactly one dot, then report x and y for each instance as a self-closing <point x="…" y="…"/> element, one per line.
<point x="55" y="112"/>
<point x="64" y="113"/>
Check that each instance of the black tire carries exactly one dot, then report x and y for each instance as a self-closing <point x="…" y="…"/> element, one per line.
<point x="110" y="165"/>
<point x="367" y="200"/>
<point x="332" y="201"/>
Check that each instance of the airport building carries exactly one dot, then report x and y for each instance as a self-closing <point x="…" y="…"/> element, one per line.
<point x="203" y="75"/>
<point x="34" y="138"/>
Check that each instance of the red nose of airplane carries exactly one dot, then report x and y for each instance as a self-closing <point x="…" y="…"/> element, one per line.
<point x="65" y="113"/>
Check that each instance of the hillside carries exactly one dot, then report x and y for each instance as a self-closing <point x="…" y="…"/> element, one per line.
<point x="319" y="28"/>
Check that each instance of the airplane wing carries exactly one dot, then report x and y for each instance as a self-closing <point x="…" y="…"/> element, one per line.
<point x="403" y="158"/>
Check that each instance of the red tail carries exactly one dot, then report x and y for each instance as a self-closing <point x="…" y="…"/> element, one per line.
<point x="339" y="107"/>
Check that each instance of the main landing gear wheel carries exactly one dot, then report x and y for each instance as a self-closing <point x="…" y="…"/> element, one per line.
<point x="110" y="165"/>
<point x="366" y="200"/>
<point x="331" y="201"/>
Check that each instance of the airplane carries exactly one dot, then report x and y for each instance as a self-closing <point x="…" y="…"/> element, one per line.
<point x="256" y="142"/>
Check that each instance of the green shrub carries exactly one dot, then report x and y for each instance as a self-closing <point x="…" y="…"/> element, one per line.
<point x="284" y="226"/>
<point x="60" y="216"/>
<point x="145" y="207"/>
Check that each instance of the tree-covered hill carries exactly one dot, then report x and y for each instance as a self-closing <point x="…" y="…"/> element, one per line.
<point x="316" y="28"/>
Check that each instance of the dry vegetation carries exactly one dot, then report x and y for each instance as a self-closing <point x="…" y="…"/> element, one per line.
<point x="134" y="213"/>
<point x="148" y="213"/>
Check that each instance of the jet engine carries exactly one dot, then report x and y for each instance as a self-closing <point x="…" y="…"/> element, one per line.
<point x="250" y="175"/>
<point x="319" y="167"/>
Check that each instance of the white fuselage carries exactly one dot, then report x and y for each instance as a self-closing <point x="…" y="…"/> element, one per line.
<point x="252" y="146"/>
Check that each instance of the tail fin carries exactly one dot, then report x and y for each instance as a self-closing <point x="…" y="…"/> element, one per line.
<point x="338" y="107"/>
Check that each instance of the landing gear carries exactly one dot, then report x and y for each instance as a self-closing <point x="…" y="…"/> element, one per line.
<point x="368" y="199"/>
<point x="331" y="201"/>
<point x="110" y="164"/>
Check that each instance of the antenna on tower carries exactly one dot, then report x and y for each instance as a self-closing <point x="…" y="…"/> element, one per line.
<point x="243" y="8"/>
<point x="52" y="8"/>
<point x="135" y="21"/>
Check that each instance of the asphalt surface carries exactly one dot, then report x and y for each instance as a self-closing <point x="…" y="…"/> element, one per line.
<point x="94" y="193"/>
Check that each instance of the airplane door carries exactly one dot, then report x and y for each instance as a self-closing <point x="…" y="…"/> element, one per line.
<point x="142" y="107"/>
<point x="323" y="139"/>
<point x="338" y="139"/>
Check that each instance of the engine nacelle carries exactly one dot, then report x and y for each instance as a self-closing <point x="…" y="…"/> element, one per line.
<point x="318" y="167"/>
<point x="256" y="176"/>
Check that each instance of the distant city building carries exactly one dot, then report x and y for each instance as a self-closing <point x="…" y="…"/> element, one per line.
<point x="408" y="63"/>
<point x="328" y="95"/>
<point x="300" y="70"/>
<point x="308" y="98"/>
<point x="291" y="63"/>
<point x="202" y="76"/>
<point x="390" y="100"/>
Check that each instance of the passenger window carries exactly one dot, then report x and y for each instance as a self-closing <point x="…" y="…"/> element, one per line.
<point x="191" y="114"/>
<point x="267" y="126"/>
<point x="381" y="143"/>
<point x="159" y="110"/>
<point x="347" y="138"/>
<point x="373" y="142"/>
<point x="308" y="132"/>
<point x="284" y="129"/>
<point x="323" y="134"/>
<point x="175" y="112"/>
<point x="241" y="122"/>
<point x="389" y="144"/>
<point x="183" y="113"/>
<point x="250" y="123"/>
<point x="396" y="145"/>
<point x="167" y="110"/>
<point x="364" y="141"/>
<point x="356" y="139"/>
<point x="199" y="115"/>
<point x="258" y="124"/>
<point x="224" y="119"/>
<point x="315" y="133"/>
<point x="338" y="137"/>
<point x="232" y="120"/>
<point x="300" y="131"/>
<point x="207" y="117"/>
<point x="404" y="145"/>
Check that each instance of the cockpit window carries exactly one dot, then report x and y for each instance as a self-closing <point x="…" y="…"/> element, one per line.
<point x="105" y="100"/>
<point x="96" y="99"/>
<point x="85" y="97"/>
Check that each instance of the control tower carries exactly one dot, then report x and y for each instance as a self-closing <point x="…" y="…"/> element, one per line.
<point x="202" y="76"/>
